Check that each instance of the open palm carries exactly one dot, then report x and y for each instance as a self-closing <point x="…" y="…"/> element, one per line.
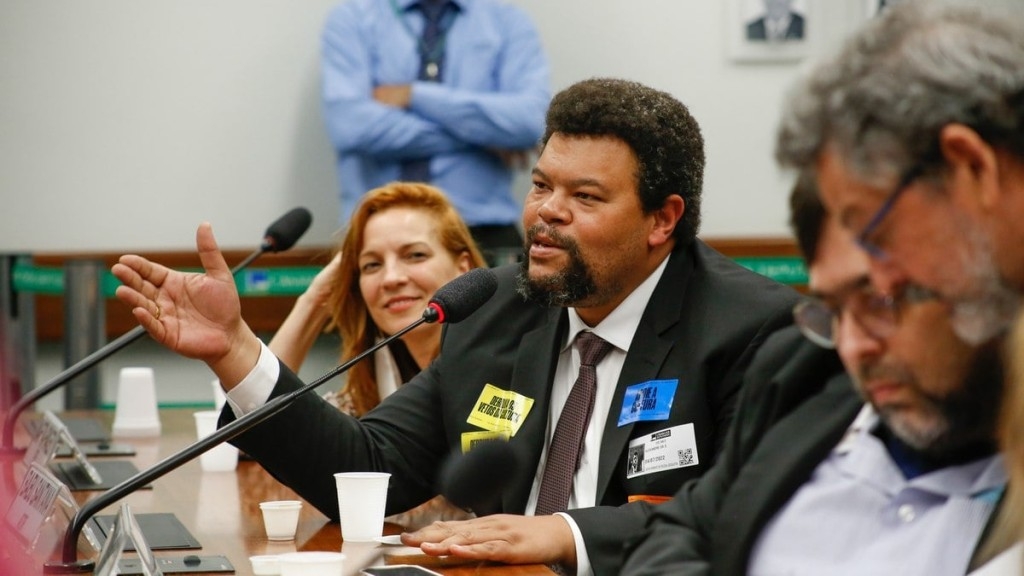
<point x="195" y="314"/>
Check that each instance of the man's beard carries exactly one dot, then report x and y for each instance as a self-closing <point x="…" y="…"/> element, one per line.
<point x="992" y="305"/>
<point x="961" y="425"/>
<point x="570" y="286"/>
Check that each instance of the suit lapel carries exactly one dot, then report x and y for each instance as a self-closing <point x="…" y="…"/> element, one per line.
<point x="647" y="353"/>
<point x="781" y="463"/>
<point x="534" y="370"/>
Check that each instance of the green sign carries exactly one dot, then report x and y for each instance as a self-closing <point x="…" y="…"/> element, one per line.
<point x="39" y="280"/>
<point x="785" y="269"/>
<point x="292" y="281"/>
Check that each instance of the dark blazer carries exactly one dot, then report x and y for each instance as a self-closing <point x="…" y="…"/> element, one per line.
<point x="797" y="404"/>
<point x="758" y="29"/>
<point x="705" y="320"/>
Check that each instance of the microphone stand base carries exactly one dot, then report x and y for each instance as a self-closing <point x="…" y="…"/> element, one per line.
<point x="79" y="567"/>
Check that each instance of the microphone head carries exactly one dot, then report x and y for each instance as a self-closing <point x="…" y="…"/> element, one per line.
<point x="475" y="479"/>
<point x="286" y="230"/>
<point x="456" y="300"/>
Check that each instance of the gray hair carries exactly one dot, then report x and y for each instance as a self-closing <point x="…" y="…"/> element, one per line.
<point x="882" y="101"/>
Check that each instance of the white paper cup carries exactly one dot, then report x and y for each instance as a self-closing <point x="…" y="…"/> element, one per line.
<point x="137" y="414"/>
<point x="219" y="396"/>
<point x="361" y="500"/>
<point x="281" y="518"/>
<point x="311" y="564"/>
<point x="221" y="458"/>
<point x="266" y="565"/>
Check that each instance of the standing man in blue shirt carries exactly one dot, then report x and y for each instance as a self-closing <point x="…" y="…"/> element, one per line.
<point x="450" y="92"/>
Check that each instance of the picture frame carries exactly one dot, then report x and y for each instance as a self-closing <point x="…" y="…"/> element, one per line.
<point x="754" y="37"/>
<point x="873" y="8"/>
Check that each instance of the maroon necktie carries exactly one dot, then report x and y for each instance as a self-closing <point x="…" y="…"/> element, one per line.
<point x="567" y="442"/>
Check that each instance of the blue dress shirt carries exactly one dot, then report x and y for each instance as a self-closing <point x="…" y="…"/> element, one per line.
<point x="493" y="95"/>
<point x="859" y="514"/>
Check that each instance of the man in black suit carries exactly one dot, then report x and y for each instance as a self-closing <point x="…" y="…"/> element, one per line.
<point x="779" y="23"/>
<point x="611" y="222"/>
<point x="828" y="474"/>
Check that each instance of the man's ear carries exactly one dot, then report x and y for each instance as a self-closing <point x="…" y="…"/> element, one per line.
<point x="666" y="219"/>
<point x="973" y="165"/>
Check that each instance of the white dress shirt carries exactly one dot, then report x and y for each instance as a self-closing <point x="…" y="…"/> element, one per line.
<point x="617" y="329"/>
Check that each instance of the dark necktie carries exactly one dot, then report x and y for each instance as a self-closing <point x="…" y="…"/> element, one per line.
<point x="431" y="50"/>
<point x="567" y="441"/>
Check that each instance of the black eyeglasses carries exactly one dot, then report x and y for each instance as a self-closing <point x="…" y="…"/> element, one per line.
<point x="864" y="238"/>
<point x="878" y="314"/>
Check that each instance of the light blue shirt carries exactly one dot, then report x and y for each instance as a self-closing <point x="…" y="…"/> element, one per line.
<point x="494" y="94"/>
<point x="859" y="515"/>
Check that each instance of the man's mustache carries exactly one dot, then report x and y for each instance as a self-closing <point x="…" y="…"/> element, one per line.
<point x="557" y="238"/>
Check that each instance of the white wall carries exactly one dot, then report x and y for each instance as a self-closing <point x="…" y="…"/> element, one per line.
<point x="681" y="46"/>
<point x="124" y="123"/>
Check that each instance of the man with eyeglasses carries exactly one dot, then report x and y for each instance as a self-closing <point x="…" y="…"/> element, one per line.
<point x="915" y="131"/>
<point x="890" y="468"/>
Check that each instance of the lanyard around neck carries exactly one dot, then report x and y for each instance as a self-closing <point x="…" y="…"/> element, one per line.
<point x="432" y="57"/>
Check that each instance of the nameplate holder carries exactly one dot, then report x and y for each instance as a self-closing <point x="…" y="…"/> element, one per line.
<point x="34" y="503"/>
<point x="126" y="530"/>
<point x="42" y="510"/>
<point x="78" y="473"/>
<point x="46" y="440"/>
<point x="79" y="456"/>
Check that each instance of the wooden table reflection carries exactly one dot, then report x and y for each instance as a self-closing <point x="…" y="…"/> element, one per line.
<point x="221" y="509"/>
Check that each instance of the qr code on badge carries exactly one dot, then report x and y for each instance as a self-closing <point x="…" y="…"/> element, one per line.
<point x="686" y="457"/>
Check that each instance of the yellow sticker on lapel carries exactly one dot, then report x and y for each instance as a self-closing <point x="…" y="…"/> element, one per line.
<point x="470" y="439"/>
<point x="500" y="410"/>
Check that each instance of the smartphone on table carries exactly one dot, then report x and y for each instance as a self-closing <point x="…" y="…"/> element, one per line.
<point x="399" y="570"/>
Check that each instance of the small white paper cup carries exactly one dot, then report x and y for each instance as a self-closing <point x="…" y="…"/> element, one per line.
<point x="311" y="564"/>
<point x="281" y="518"/>
<point x="266" y="565"/>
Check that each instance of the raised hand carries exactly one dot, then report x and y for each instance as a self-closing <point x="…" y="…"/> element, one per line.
<point x="196" y="315"/>
<point x="323" y="283"/>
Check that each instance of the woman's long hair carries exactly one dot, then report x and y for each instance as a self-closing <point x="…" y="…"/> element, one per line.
<point x="349" y="313"/>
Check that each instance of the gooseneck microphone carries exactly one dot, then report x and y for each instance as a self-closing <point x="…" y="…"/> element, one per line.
<point x="452" y="302"/>
<point x="286" y="231"/>
<point x="280" y="236"/>
<point x="459" y="298"/>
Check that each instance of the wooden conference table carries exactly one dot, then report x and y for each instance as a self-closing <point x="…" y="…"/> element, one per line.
<point x="221" y="509"/>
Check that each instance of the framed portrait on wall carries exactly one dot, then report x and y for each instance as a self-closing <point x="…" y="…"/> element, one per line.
<point x="875" y="7"/>
<point x="769" y="30"/>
